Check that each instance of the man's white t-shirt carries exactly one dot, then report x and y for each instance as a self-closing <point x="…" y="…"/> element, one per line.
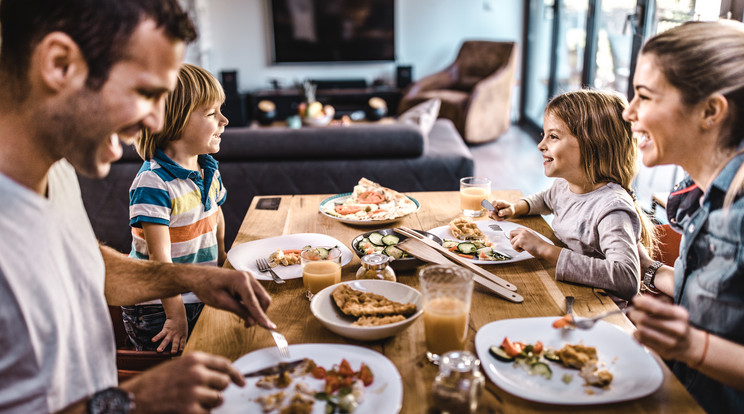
<point x="56" y="339"/>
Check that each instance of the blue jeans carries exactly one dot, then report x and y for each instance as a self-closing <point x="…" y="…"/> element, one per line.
<point x="145" y="321"/>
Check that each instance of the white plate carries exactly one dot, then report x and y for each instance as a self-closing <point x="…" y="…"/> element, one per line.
<point x="243" y="256"/>
<point x="500" y="242"/>
<point x="331" y="317"/>
<point x="340" y="198"/>
<point x="635" y="372"/>
<point x="384" y="395"/>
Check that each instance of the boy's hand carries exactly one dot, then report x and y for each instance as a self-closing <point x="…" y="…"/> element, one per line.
<point x="192" y="383"/>
<point x="174" y="332"/>
<point x="504" y="210"/>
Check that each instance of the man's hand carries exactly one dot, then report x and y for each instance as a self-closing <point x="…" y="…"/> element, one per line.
<point x="234" y="291"/>
<point x="192" y="383"/>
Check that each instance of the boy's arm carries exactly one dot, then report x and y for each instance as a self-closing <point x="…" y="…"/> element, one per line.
<point x="221" y="254"/>
<point x="176" y="327"/>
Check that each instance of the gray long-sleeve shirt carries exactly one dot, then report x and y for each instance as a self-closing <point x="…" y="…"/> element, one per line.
<point x="601" y="230"/>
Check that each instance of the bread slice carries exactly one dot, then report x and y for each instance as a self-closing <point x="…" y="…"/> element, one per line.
<point x="355" y="303"/>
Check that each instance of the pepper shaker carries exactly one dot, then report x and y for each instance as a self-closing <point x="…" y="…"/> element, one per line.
<point x="375" y="266"/>
<point x="459" y="384"/>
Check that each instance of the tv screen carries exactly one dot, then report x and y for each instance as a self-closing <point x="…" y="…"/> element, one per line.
<point x="333" y="30"/>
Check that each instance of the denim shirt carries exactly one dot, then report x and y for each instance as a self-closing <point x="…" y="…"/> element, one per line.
<point x="709" y="276"/>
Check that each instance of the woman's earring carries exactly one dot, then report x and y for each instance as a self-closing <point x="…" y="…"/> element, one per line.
<point x="709" y="123"/>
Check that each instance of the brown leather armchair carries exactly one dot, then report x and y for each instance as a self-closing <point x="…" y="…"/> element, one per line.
<point x="475" y="90"/>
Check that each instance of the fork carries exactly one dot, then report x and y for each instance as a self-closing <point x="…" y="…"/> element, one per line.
<point x="263" y="266"/>
<point x="589" y="323"/>
<point x="496" y="227"/>
<point x="281" y="342"/>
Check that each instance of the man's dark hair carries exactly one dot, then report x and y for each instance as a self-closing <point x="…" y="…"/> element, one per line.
<point x="101" y="28"/>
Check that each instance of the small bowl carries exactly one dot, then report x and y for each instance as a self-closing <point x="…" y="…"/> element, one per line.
<point x="407" y="263"/>
<point x="324" y="308"/>
<point x="322" y="121"/>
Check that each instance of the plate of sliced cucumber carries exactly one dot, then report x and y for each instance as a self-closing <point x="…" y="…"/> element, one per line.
<point x="384" y="241"/>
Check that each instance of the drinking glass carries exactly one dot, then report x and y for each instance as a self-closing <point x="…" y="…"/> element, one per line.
<point x="447" y="290"/>
<point x="321" y="267"/>
<point x="473" y="190"/>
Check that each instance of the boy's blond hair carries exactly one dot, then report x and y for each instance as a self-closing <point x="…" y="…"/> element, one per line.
<point x="195" y="88"/>
<point x="609" y="153"/>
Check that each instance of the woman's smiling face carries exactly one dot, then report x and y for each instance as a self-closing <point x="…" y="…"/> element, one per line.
<point x="663" y="124"/>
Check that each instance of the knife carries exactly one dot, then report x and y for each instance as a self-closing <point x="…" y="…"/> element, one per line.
<point x="275" y="369"/>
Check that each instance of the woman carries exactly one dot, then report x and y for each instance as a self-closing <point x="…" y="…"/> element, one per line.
<point x="688" y="110"/>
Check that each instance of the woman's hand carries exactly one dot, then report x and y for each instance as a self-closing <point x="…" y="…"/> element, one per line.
<point x="523" y="239"/>
<point x="175" y="332"/>
<point x="665" y="328"/>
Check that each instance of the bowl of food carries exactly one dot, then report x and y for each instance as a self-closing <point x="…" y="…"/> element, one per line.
<point x="367" y="310"/>
<point x="384" y="241"/>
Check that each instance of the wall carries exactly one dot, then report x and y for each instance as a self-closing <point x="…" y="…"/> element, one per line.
<point x="428" y="35"/>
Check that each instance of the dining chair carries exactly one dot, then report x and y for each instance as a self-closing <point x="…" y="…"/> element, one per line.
<point x="129" y="361"/>
<point x="668" y="244"/>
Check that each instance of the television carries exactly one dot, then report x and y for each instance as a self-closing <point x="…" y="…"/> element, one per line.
<point x="306" y="31"/>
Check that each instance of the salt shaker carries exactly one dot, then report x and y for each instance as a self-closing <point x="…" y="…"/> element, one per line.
<point x="375" y="266"/>
<point x="459" y="384"/>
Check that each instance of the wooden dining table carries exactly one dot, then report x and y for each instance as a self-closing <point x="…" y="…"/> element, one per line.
<point x="223" y="333"/>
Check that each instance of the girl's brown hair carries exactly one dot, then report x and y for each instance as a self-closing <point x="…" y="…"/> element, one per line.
<point x="195" y="88"/>
<point x="701" y="59"/>
<point x="609" y="153"/>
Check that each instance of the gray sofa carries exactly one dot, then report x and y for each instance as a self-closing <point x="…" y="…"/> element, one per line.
<point x="276" y="160"/>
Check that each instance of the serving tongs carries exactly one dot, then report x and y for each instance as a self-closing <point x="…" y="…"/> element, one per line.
<point x="425" y="249"/>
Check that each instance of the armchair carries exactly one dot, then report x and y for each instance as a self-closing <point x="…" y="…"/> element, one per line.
<point x="475" y="90"/>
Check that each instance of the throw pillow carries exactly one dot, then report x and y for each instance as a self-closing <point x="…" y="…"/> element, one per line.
<point x="423" y="115"/>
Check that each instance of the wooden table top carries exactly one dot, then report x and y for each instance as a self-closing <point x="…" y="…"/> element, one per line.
<point x="222" y="333"/>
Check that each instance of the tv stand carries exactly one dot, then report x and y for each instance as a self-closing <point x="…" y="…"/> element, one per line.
<point x="324" y="84"/>
<point x="344" y="100"/>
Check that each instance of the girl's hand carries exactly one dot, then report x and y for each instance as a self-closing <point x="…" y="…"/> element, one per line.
<point x="175" y="332"/>
<point x="504" y="210"/>
<point x="665" y="328"/>
<point x="523" y="239"/>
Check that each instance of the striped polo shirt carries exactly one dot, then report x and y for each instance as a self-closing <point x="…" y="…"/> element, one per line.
<point x="187" y="202"/>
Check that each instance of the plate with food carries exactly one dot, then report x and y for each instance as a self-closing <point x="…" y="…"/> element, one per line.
<point x="529" y="358"/>
<point x="367" y="310"/>
<point x="369" y="204"/>
<point x="282" y="253"/>
<point x="481" y="244"/>
<point x="344" y="376"/>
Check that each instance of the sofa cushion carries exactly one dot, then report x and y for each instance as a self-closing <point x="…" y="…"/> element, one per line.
<point x="363" y="141"/>
<point x="423" y="115"/>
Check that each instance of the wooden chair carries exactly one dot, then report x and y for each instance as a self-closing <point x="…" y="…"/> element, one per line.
<point x="129" y="361"/>
<point x="668" y="247"/>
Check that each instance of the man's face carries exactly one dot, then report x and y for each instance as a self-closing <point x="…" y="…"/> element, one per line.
<point x="132" y="97"/>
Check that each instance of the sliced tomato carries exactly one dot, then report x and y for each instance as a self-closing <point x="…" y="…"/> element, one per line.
<point x="562" y="322"/>
<point x="365" y="374"/>
<point x="345" y="369"/>
<point x="378" y="211"/>
<point x="537" y="348"/>
<point x="511" y="348"/>
<point x="318" y="372"/>
<point x="332" y="384"/>
<point x="370" y="197"/>
<point x="344" y="210"/>
<point x="467" y="256"/>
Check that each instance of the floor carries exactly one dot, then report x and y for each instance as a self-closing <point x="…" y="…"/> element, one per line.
<point x="513" y="162"/>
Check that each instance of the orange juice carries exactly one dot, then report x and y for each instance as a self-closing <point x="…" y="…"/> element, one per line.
<point x="445" y="324"/>
<point x="320" y="274"/>
<point x="471" y="197"/>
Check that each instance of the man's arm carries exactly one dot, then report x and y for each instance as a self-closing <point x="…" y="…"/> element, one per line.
<point x="130" y="281"/>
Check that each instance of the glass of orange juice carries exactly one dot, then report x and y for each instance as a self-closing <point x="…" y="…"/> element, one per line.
<point x="447" y="290"/>
<point x="473" y="190"/>
<point x="321" y="267"/>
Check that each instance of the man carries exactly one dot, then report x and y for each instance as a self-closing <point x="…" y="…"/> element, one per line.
<point x="77" y="76"/>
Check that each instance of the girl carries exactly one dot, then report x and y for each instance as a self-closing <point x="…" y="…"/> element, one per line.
<point x="590" y="149"/>
<point x="174" y="204"/>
